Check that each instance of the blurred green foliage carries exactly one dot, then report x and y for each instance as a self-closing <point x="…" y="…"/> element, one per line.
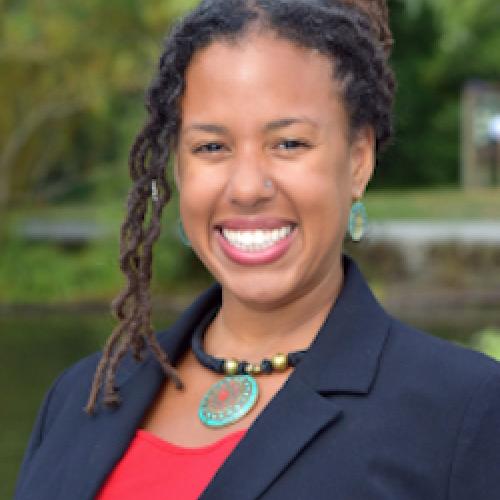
<point x="53" y="272"/>
<point x="74" y="73"/>
<point x="73" y="76"/>
<point x="488" y="341"/>
<point x="440" y="45"/>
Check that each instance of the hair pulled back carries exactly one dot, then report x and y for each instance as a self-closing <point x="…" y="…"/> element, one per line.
<point x="354" y="34"/>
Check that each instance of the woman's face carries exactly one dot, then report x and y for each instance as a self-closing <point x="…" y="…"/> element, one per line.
<point x="265" y="168"/>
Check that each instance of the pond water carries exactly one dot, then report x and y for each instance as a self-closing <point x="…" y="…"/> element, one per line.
<point x="36" y="346"/>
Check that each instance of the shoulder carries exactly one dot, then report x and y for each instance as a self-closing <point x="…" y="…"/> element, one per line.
<point x="69" y="389"/>
<point x="456" y="388"/>
<point x="453" y="396"/>
<point x="77" y="375"/>
<point x="65" y="396"/>
<point x="443" y="362"/>
<point x="80" y="370"/>
<point x="458" y="391"/>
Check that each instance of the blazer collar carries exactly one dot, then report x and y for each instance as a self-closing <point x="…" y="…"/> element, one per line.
<point x="344" y="356"/>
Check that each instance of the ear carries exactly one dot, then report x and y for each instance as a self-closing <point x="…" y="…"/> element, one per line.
<point x="362" y="160"/>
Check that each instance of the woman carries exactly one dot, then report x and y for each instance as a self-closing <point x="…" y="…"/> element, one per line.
<point x="285" y="379"/>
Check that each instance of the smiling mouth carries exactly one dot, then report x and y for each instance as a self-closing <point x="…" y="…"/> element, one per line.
<point x="255" y="240"/>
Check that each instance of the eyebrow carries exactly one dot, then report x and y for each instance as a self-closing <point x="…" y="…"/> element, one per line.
<point x="286" y="122"/>
<point x="208" y="127"/>
<point x="213" y="128"/>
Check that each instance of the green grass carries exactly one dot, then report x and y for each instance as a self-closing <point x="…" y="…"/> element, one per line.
<point x="434" y="204"/>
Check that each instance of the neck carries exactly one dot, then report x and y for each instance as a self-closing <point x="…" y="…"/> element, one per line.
<point x="247" y="331"/>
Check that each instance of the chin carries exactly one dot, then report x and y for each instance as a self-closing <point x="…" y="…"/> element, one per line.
<point x="261" y="292"/>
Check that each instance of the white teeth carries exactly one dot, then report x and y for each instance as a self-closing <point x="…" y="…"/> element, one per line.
<point x="256" y="240"/>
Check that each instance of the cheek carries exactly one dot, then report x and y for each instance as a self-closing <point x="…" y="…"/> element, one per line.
<point x="193" y="201"/>
<point x="324" y="206"/>
<point x="323" y="185"/>
<point x="197" y="198"/>
<point x="322" y="198"/>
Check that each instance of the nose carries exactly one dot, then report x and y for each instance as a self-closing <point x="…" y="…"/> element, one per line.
<point x="248" y="184"/>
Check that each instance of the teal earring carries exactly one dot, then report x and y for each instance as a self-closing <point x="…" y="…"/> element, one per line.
<point x="357" y="221"/>
<point x="182" y="234"/>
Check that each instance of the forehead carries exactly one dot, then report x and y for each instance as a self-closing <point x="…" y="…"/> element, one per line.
<point x="257" y="76"/>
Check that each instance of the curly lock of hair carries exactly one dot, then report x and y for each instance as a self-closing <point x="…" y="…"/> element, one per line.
<point x="354" y="34"/>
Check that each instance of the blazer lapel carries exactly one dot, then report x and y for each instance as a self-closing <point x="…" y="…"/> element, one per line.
<point x="291" y="420"/>
<point x="342" y="359"/>
<point x="103" y="438"/>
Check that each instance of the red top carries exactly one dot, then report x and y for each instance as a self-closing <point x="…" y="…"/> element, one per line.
<point x="154" y="469"/>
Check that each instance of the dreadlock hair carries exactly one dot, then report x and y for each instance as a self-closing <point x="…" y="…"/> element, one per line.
<point x="378" y="14"/>
<point x="354" y="34"/>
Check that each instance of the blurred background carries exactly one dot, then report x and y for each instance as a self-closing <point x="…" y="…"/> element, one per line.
<point x="72" y="80"/>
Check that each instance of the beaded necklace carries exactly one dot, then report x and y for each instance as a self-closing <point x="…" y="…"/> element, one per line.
<point x="231" y="398"/>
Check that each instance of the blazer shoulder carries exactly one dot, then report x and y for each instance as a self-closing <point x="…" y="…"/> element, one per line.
<point x="80" y="371"/>
<point x="74" y="381"/>
<point x="56" y="398"/>
<point x="440" y="360"/>
<point x="476" y="459"/>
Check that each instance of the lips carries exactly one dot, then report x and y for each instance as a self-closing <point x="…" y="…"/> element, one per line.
<point x="255" y="241"/>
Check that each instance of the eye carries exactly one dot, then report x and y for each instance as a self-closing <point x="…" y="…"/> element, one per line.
<point x="209" y="147"/>
<point x="291" y="144"/>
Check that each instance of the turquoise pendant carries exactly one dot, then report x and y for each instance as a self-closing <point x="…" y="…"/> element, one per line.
<point x="228" y="400"/>
<point x="357" y="221"/>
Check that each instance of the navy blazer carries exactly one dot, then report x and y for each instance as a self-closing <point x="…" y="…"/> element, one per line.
<point x="374" y="411"/>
